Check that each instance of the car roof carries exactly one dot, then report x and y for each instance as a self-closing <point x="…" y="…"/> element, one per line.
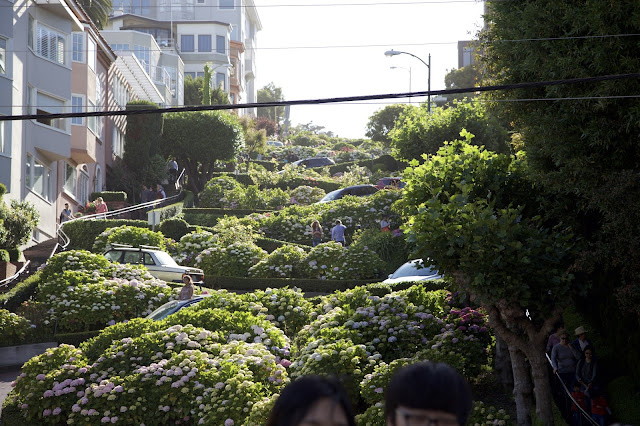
<point x="132" y="248"/>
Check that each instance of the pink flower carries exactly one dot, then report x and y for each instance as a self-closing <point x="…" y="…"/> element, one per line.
<point x="229" y="422"/>
<point x="41" y="377"/>
<point x="46" y="412"/>
<point x="57" y="411"/>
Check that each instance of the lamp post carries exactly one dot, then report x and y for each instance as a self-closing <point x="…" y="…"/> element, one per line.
<point x="396" y="52"/>
<point x="406" y="69"/>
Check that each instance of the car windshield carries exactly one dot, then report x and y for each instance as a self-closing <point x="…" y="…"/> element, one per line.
<point x="333" y="195"/>
<point x="164" y="259"/>
<point x="414" y="269"/>
<point x="163" y="310"/>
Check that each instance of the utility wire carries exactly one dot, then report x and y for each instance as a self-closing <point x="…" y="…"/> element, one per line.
<point x="323" y="101"/>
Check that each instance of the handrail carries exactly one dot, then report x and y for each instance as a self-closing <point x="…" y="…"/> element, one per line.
<point x="10" y="279"/>
<point x="582" y="411"/>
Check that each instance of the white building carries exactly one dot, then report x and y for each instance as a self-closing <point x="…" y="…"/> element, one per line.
<point x="215" y="32"/>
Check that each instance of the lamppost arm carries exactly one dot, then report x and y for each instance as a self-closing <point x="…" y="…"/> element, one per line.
<point x="397" y="52"/>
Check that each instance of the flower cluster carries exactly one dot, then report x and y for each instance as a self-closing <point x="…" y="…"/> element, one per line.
<point x="283" y="262"/>
<point x="13" y="328"/>
<point x="321" y="260"/>
<point x="191" y="244"/>
<point x="130" y="235"/>
<point x="306" y="195"/>
<point x="231" y="261"/>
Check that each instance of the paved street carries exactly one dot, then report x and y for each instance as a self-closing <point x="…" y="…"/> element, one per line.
<point x="7" y="375"/>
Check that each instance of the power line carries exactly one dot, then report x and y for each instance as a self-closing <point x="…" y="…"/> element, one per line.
<point x="325" y="100"/>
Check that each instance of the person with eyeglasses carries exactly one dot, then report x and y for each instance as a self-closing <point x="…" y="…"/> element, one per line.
<point x="564" y="358"/>
<point x="427" y="394"/>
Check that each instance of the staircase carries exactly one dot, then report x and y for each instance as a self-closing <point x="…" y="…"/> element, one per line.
<point x="39" y="254"/>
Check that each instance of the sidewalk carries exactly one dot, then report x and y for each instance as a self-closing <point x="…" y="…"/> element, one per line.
<point x="7" y="375"/>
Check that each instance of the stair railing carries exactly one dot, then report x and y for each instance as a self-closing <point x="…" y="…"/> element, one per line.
<point x="15" y="276"/>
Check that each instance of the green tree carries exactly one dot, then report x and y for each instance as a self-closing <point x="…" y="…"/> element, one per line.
<point x="383" y="120"/>
<point x="464" y="77"/>
<point x="271" y="93"/>
<point x="199" y="139"/>
<point x="206" y="85"/>
<point x="193" y="90"/>
<point x="477" y="215"/>
<point x="585" y="147"/>
<point x="17" y="222"/>
<point x="98" y="11"/>
<point x="141" y="160"/>
<point x="417" y="132"/>
<point x="255" y="140"/>
<point x="219" y="96"/>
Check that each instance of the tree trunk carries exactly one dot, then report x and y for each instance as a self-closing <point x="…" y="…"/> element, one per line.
<point x="521" y="386"/>
<point x="503" y="363"/>
<point x="541" y="385"/>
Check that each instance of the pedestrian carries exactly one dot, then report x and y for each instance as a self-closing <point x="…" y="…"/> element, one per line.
<point x="160" y="194"/>
<point x="186" y="292"/>
<point x="316" y="233"/>
<point x="173" y="170"/>
<point x="427" y="393"/>
<point x="554" y="338"/>
<point x="101" y="207"/>
<point x="337" y="232"/>
<point x="563" y="359"/>
<point x="66" y="214"/>
<point x="581" y="341"/>
<point x="312" y="400"/>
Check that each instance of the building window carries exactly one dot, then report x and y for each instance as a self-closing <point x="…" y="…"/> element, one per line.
<point x="83" y="185"/>
<point x="143" y="55"/>
<point x="190" y="74"/>
<point x="70" y="179"/>
<point x="226" y="4"/>
<point x="49" y="105"/>
<point x="118" y="142"/>
<point x="91" y="53"/>
<point x="204" y="43"/>
<point x="37" y="177"/>
<point x="220" y="80"/>
<point x="49" y="43"/>
<point x="186" y="43"/>
<point x="4" y="139"/>
<point x="78" y="47"/>
<point x="91" y="121"/>
<point x="3" y="55"/>
<point x="120" y="47"/>
<point x="221" y="44"/>
<point x="77" y="106"/>
<point x="98" y="179"/>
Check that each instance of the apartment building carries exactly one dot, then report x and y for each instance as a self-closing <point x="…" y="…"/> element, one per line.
<point x="214" y="32"/>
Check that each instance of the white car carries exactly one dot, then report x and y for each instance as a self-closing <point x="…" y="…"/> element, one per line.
<point x="413" y="270"/>
<point x="159" y="263"/>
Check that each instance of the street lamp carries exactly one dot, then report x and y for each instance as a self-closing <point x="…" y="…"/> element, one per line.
<point x="396" y="52"/>
<point x="406" y="69"/>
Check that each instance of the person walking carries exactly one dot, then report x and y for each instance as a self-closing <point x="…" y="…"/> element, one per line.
<point x="66" y="214"/>
<point x="101" y="207"/>
<point x="337" y="232"/>
<point x="316" y="233"/>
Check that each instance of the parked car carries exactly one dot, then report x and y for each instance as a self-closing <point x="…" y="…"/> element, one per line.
<point x="174" y="306"/>
<point x="275" y="143"/>
<point x="357" y="190"/>
<point x="413" y="270"/>
<point x="312" y="162"/>
<point x="159" y="263"/>
<point x="390" y="182"/>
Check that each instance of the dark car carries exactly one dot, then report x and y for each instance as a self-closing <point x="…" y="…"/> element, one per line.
<point x="314" y="162"/>
<point x="413" y="270"/>
<point x="390" y="182"/>
<point x="357" y="190"/>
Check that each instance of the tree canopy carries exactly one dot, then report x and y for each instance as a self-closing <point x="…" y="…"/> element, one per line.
<point x="464" y="77"/>
<point x="271" y="93"/>
<point x="198" y="139"/>
<point x="417" y="132"/>
<point x="383" y="120"/>
<point x="477" y="215"/>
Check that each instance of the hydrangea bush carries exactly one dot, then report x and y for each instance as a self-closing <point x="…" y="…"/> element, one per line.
<point x="321" y="259"/>
<point x="130" y="235"/>
<point x="13" y="328"/>
<point x="231" y="261"/>
<point x="214" y="190"/>
<point x="191" y="244"/>
<point x="306" y="195"/>
<point x="283" y="262"/>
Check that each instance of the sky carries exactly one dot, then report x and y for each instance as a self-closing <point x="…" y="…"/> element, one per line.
<point x="315" y="49"/>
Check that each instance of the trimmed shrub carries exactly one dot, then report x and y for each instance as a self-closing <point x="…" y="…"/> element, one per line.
<point x="306" y="195"/>
<point x="192" y="244"/>
<point x="14" y="329"/>
<point x="24" y="290"/>
<point x="4" y="256"/>
<point x="174" y="228"/>
<point x="284" y="262"/>
<point x="232" y="260"/>
<point x="130" y="235"/>
<point x="83" y="233"/>
<point x="215" y="189"/>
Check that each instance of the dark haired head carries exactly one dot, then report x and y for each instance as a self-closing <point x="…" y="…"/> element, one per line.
<point x="429" y="386"/>
<point x="558" y="325"/>
<point x="298" y="397"/>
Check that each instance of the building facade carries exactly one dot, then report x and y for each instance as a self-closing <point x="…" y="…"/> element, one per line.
<point x="214" y="32"/>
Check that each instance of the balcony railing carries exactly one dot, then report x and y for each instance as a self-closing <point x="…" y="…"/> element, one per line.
<point x="158" y="74"/>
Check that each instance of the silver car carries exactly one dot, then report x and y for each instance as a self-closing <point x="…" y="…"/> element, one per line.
<point x="159" y="263"/>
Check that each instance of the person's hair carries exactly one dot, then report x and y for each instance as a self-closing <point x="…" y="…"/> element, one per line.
<point x="66" y="204"/>
<point x="338" y="222"/>
<point x="429" y="386"/>
<point x="589" y="348"/>
<point x="564" y="334"/>
<point x="99" y="199"/>
<point x="557" y="325"/>
<point x="188" y="277"/>
<point x="298" y="397"/>
<point x="315" y="224"/>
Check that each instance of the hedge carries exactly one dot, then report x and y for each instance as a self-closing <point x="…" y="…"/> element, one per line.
<point x="23" y="291"/>
<point x="306" y="285"/>
<point x="269" y="165"/>
<point x="74" y="338"/>
<point x="210" y="216"/>
<point x="82" y="233"/>
<point x="327" y="186"/>
<point x="270" y="244"/>
<point x="624" y="395"/>
<point x="385" y="162"/>
<point x="109" y="196"/>
<point x="242" y="178"/>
